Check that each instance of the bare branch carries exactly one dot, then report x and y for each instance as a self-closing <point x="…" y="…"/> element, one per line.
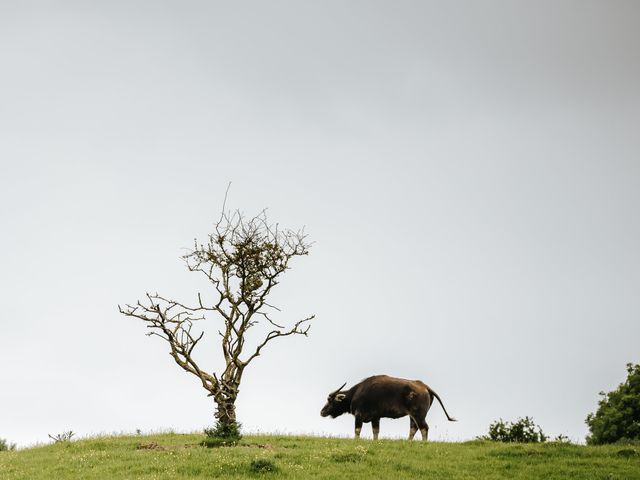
<point x="298" y="329"/>
<point x="176" y="329"/>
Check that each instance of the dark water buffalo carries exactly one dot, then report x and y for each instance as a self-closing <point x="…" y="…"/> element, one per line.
<point x="382" y="396"/>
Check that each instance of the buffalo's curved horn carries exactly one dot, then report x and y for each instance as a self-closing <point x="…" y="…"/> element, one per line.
<point x="334" y="393"/>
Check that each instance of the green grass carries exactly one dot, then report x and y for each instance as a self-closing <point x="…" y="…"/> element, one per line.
<point x="176" y="456"/>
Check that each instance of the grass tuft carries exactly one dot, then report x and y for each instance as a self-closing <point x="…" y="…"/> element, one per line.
<point x="627" y="453"/>
<point x="262" y="465"/>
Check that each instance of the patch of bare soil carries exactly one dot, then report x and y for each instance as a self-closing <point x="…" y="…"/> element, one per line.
<point x="157" y="446"/>
<point x="150" y="446"/>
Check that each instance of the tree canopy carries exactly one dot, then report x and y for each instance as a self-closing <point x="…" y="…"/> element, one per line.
<point x="618" y="415"/>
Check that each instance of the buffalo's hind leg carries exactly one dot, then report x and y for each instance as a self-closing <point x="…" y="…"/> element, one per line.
<point x="424" y="429"/>
<point x="413" y="428"/>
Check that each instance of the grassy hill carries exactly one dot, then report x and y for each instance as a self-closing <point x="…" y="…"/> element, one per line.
<point x="178" y="456"/>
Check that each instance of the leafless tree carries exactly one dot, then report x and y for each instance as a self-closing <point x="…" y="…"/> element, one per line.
<point x="243" y="260"/>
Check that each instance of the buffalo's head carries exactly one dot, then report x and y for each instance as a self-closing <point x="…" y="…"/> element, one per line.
<point x="336" y="404"/>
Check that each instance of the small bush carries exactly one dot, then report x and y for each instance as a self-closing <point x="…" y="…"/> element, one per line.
<point x="62" y="437"/>
<point x="225" y="430"/>
<point x="523" y="430"/>
<point x="6" y="446"/>
<point x="222" y="435"/>
<point x="262" y="465"/>
<point x="562" y="438"/>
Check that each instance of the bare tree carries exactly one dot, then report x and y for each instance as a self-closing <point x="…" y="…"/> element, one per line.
<point x="243" y="260"/>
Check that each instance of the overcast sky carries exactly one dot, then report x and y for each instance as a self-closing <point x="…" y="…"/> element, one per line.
<point x="468" y="171"/>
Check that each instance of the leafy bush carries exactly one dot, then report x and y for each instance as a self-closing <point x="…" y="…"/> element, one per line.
<point x="617" y="418"/>
<point x="6" y="446"/>
<point x="562" y="438"/>
<point x="225" y="430"/>
<point x="523" y="430"/>
<point x="222" y="435"/>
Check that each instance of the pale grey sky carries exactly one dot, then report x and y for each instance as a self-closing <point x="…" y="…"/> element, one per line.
<point x="469" y="172"/>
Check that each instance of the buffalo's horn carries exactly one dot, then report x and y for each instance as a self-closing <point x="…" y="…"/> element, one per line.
<point x="333" y="393"/>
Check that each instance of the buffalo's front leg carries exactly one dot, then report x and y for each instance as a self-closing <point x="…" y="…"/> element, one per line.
<point x="375" y="425"/>
<point x="358" y="426"/>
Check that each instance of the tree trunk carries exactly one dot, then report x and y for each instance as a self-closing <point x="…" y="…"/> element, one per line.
<point x="226" y="411"/>
<point x="226" y="406"/>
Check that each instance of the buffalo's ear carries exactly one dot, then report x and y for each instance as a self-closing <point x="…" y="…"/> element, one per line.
<point x="339" y="397"/>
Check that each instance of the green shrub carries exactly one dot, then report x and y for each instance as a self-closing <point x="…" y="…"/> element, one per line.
<point x="222" y="435"/>
<point x="6" y="446"/>
<point x="562" y="438"/>
<point x="523" y="430"/>
<point x="617" y="418"/>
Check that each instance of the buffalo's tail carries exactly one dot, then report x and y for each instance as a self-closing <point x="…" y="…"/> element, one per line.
<point x="451" y="419"/>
